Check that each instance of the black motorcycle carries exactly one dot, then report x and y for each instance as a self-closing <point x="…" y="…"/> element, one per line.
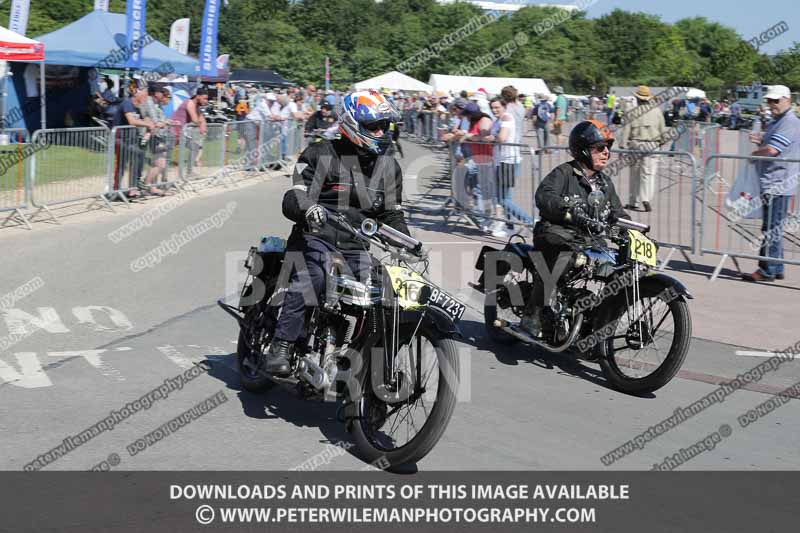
<point x="610" y="306"/>
<point x="384" y="348"/>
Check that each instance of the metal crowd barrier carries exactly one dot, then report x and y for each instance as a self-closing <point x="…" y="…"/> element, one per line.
<point x="139" y="160"/>
<point x="14" y="170"/>
<point x="491" y="184"/>
<point x="241" y="147"/>
<point x="68" y="165"/>
<point x="201" y="156"/>
<point x="727" y="232"/>
<point x="293" y="131"/>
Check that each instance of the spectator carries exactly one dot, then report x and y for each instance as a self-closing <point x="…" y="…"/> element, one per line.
<point x="242" y="109"/>
<point x="130" y="153"/>
<point x="478" y="156"/>
<point x="778" y="179"/>
<point x="646" y="134"/>
<point x="516" y="110"/>
<point x="611" y="102"/>
<point x="542" y="113"/>
<point x="690" y="109"/>
<point x="107" y="99"/>
<point x="560" y="112"/>
<point x="190" y="114"/>
<point x="158" y="144"/>
<point x="259" y="116"/>
<point x="506" y="162"/>
<point x="736" y="112"/>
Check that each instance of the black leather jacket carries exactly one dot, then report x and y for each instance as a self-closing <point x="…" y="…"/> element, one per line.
<point x="568" y="180"/>
<point x="332" y="174"/>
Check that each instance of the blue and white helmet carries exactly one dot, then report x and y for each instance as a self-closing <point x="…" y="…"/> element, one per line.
<point x="363" y="114"/>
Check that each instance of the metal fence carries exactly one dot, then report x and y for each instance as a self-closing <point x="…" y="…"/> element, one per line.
<point x="14" y="147"/>
<point x="201" y="154"/>
<point x="492" y="184"/>
<point x="61" y="166"/>
<point x="140" y="162"/>
<point x="728" y="231"/>
<point x="68" y="165"/>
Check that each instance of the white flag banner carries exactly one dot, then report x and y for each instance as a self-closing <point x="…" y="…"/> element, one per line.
<point x="179" y="36"/>
<point x="18" y="17"/>
<point x="101" y="5"/>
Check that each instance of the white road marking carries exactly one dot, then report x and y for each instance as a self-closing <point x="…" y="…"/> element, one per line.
<point x="94" y="359"/>
<point x="748" y="353"/>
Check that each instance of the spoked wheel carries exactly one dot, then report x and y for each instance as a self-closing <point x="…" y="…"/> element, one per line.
<point x="253" y="341"/>
<point x="647" y="339"/>
<point x="405" y="427"/>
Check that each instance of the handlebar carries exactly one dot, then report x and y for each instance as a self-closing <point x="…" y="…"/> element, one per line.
<point x="371" y="227"/>
<point x="631" y="224"/>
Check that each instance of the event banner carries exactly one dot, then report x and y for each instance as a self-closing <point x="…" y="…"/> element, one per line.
<point x="179" y="36"/>
<point x="101" y="5"/>
<point x="18" y="16"/>
<point x="493" y="502"/>
<point x="208" y="39"/>
<point x="136" y="14"/>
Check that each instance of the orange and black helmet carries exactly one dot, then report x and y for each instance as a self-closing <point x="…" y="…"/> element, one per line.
<point x="584" y="135"/>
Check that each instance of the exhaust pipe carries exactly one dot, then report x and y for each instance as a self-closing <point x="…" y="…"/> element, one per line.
<point x="514" y="331"/>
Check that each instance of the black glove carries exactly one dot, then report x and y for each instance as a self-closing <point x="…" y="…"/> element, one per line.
<point x="316" y="216"/>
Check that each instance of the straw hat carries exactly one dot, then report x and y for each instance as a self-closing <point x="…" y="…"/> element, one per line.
<point x="643" y="93"/>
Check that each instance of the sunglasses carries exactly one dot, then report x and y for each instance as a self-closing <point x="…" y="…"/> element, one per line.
<point x="601" y="147"/>
<point x="377" y="125"/>
<point x="773" y="100"/>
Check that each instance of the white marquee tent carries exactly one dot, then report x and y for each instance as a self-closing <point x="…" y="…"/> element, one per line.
<point x="456" y="84"/>
<point x="395" y="81"/>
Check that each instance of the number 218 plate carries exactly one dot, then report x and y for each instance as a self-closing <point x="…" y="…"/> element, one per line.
<point x="642" y="249"/>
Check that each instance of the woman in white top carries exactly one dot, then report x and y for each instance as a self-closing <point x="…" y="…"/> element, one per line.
<point x="506" y="160"/>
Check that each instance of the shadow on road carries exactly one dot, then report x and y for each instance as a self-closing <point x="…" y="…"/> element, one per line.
<point x="511" y="355"/>
<point x="278" y="402"/>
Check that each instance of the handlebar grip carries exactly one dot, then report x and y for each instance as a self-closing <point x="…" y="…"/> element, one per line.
<point x="390" y="233"/>
<point x="631" y="224"/>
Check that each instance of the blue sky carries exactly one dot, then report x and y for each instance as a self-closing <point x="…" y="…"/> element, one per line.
<point x="748" y="18"/>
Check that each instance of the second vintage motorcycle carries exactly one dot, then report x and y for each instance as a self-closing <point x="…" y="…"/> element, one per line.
<point x="611" y="306"/>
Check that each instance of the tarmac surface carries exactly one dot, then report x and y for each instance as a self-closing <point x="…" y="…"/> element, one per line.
<point x="96" y="333"/>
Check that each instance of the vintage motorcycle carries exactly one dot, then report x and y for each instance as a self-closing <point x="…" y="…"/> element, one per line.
<point x="383" y="347"/>
<point x="610" y="306"/>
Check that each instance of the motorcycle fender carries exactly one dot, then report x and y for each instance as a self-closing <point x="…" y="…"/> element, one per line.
<point x="669" y="281"/>
<point x="435" y="318"/>
<point x="600" y="317"/>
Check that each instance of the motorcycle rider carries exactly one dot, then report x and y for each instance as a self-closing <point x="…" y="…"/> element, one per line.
<point x="562" y="202"/>
<point x="355" y="175"/>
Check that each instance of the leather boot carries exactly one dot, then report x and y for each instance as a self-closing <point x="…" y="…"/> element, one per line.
<point x="276" y="360"/>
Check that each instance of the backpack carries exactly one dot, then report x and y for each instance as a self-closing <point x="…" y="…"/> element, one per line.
<point x="543" y="112"/>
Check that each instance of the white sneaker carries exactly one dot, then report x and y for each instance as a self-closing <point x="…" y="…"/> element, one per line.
<point x="499" y="229"/>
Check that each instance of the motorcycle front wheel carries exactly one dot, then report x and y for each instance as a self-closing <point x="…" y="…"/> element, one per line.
<point x="403" y="430"/>
<point x="645" y="340"/>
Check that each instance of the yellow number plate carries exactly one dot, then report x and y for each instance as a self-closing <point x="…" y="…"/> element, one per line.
<point x="642" y="250"/>
<point x="406" y="284"/>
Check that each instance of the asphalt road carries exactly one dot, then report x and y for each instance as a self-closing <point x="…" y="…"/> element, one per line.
<point x="96" y="335"/>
